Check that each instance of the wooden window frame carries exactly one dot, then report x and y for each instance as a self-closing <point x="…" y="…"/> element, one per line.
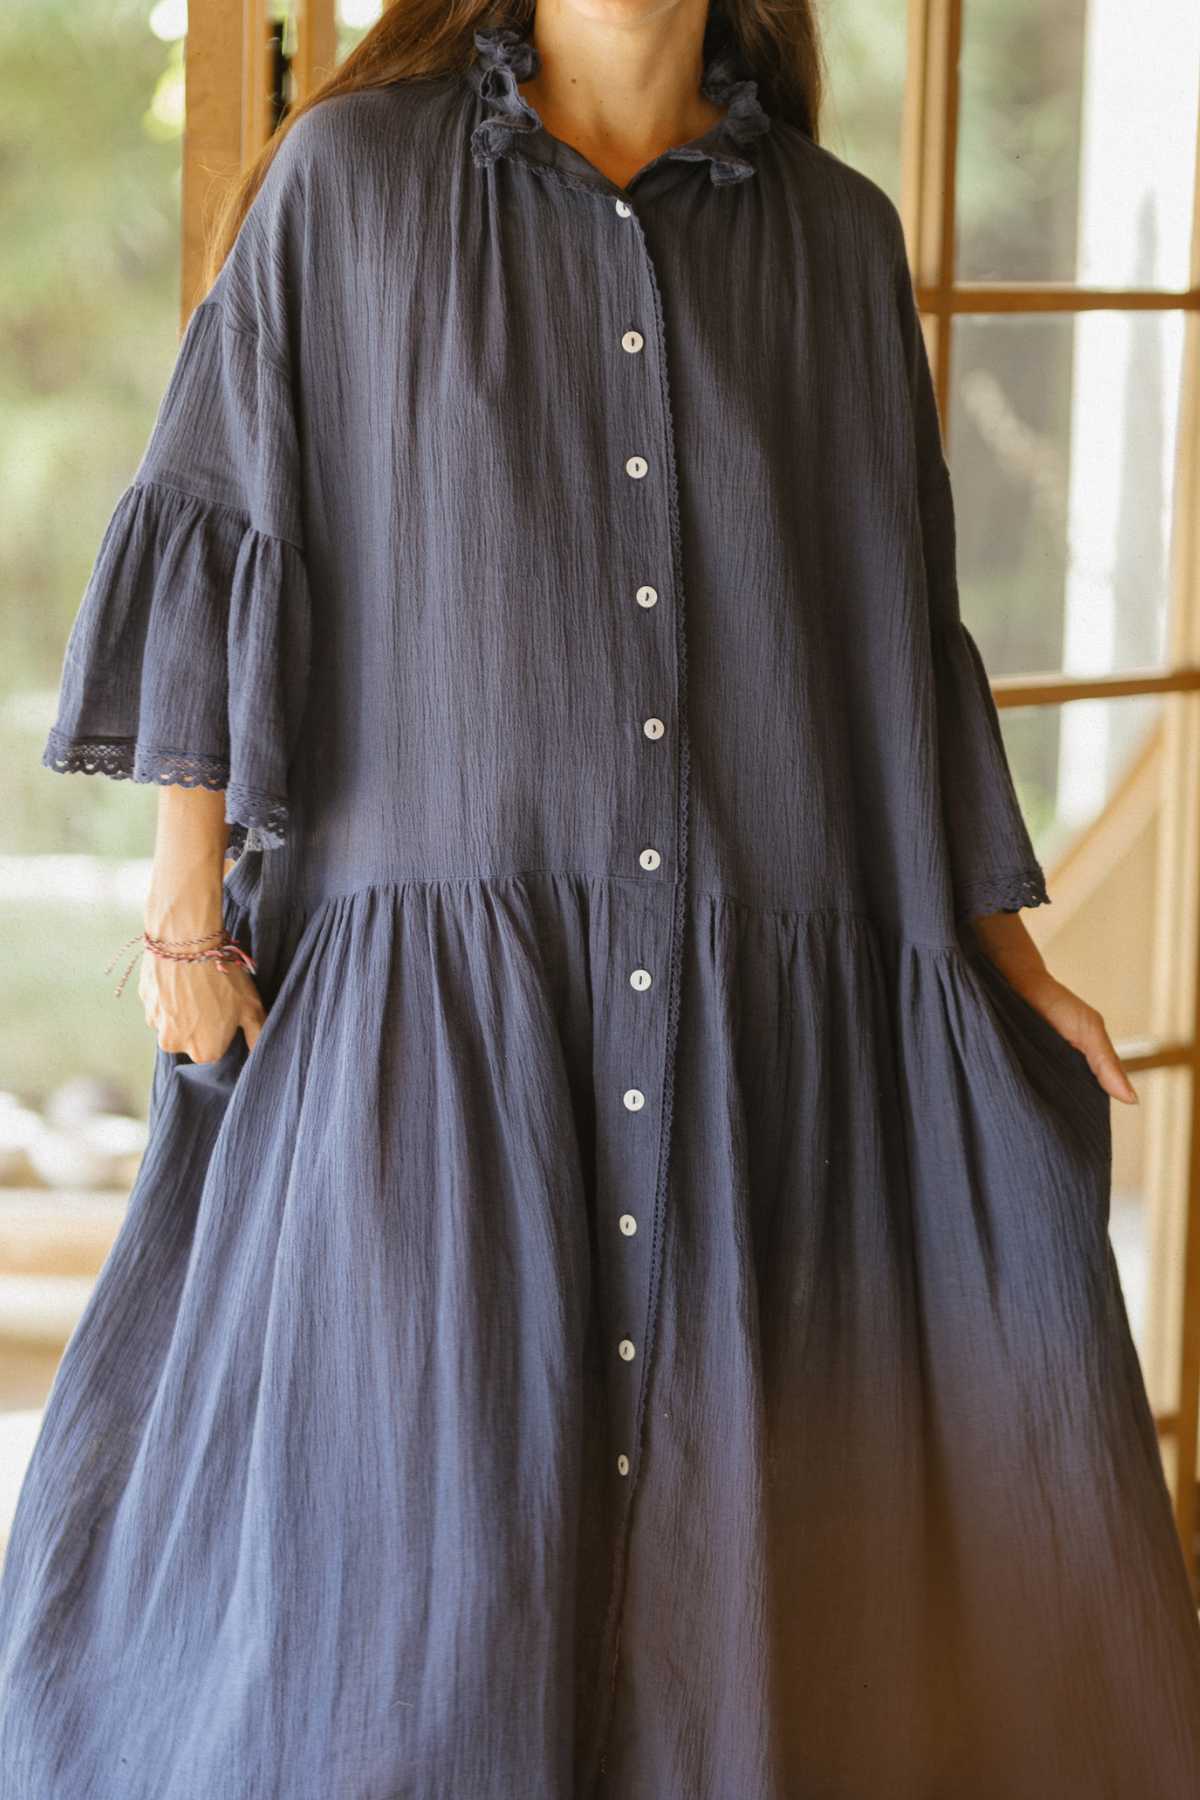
<point x="229" y="114"/>
<point x="929" y="159"/>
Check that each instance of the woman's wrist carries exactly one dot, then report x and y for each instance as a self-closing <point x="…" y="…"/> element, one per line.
<point x="1005" y="941"/>
<point x="183" y="932"/>
<point x="190" y="909"/>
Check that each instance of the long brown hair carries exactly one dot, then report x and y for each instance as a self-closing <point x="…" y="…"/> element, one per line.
<point x="423" y="38"/>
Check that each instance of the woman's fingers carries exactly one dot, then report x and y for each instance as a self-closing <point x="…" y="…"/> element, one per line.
<point x="1082" y="1025"/>
<point x="195" y="1007"/>
<point x="253" y="1014"/>
<point x="1106" y="1065"/>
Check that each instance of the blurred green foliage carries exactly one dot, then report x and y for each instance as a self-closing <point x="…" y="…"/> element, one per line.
<point x="89" y="297"/>
<point x="60" y="1017"/>
<point x="90" y="104"/>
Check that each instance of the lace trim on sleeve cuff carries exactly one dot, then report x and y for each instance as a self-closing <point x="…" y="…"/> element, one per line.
<point x="1001" y="890"/>
<point x="256" y="820"/>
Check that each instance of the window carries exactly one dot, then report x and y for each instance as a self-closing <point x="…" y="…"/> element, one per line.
<point x="1048" y="186"/>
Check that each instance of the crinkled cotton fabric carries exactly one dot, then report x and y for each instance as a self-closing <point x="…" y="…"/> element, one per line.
<point x="641" y="1322"/>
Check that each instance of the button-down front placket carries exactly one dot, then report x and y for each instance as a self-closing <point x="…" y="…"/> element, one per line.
<point x="638" y="914"/>
<point x="637" y="1003"/>
<point x="638" y="924"/>
<point x="633" y="1024"/>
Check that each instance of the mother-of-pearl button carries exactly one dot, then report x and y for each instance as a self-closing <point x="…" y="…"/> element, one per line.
<point x="623" y="209"/>
<point x="640" y="979"/>
<point x="626" y="1350"/>
<point x="654" y="728"/>
<point x="634" y="1099"/>
<point x="636" y="466"/>
<point x="628" y="1224"/>
<point x="649" y="859"/>
<point x="622" y="1464"/>
<point x="646" y="596"/>
<point x="632" y="341"/>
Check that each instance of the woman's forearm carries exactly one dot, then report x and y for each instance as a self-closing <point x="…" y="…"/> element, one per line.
<point x="193" y="1006"/>
<point x="184" y="896"/>
<point x="1005" y="941"/>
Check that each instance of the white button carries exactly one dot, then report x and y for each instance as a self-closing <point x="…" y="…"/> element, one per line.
<point x="632" y="341"/>
<point x="649" y="859"/>
<point x="646" y="596"/>
<point x="622" y="1464"/>
<point x="623" y="209"/>
<point x="654" y="728"/>
<point x="636" y="466"/>
<point x="626" y="1349"/>
<point x="628" y="1224"/>
<point x="634" y="1099"/>
<point x="640" y="979"/>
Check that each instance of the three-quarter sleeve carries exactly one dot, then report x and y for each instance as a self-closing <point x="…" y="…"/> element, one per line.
<point x="188" y="658"/>
<point x="992" y="860"/>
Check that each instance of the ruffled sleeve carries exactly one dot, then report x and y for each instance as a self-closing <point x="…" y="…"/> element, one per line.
<point x="187" y="662"/>
<point x="992" y="861"/>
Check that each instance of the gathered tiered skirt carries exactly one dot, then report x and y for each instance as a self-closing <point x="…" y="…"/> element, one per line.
<point x="330" y="1501"/>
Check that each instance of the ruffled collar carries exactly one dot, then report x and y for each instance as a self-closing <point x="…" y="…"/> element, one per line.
<point x="506" y="55"/>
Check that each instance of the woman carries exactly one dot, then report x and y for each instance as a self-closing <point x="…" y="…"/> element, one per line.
<point x="630" y="1312"/>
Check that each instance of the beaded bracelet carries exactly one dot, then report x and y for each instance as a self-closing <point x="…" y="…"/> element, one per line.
<point x="225" y="949"/>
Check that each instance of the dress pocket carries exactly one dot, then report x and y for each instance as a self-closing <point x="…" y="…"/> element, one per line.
<point x="1060" y="1073"/>
<point x="214" y="1080"/>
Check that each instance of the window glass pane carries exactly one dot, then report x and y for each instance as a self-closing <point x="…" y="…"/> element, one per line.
<point x="91" y="117"/>
<point x="1062" y="441"/>
<point x="865" y="53"/>
<point x="89" y="331"/>
<point x="1077" y="135"/>
<point x="1089" y="777"/>
<point x="70" y="915"/>
<point x="354" y="20"/>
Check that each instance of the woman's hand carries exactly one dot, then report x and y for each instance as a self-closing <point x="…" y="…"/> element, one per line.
<point x="195" y="1007"/>
<point x="1005" y="941"/>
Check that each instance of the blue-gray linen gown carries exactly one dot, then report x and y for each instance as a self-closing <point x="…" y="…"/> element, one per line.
<point x="641" y="1322"/>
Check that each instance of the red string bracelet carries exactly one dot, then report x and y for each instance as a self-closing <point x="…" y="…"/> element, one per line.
<point x="224" y="950"/>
